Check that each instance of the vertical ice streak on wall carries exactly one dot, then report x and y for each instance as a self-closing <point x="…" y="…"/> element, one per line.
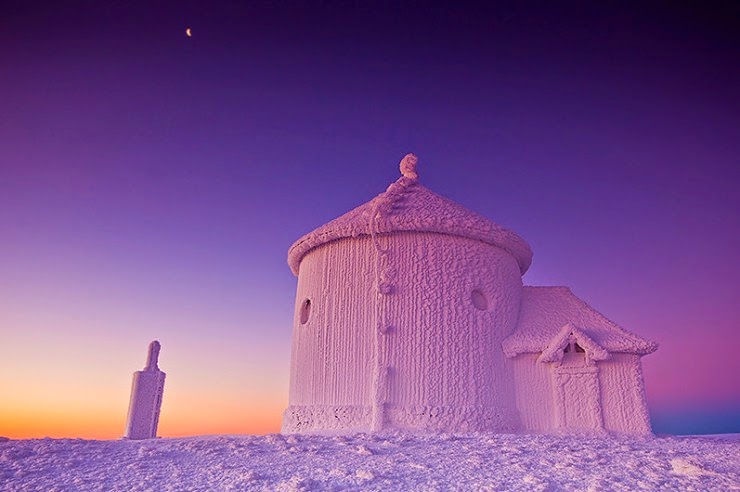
<point x="383" y="287"/>
<point x="385" y="278"/>
<point x="147" y="389"/>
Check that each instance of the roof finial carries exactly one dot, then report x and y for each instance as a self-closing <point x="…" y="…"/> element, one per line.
<point x="408" y="166"/>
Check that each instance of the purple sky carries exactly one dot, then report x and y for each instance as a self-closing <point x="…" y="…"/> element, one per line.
<point x="151" y="183"/>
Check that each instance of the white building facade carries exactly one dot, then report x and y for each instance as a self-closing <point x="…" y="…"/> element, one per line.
<point x="411" y="314"/>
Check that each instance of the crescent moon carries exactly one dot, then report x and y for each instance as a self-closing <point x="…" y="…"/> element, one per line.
<point x="188" y="33"/>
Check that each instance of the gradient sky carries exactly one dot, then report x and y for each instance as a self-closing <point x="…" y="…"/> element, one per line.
<point x="151" y="184"/>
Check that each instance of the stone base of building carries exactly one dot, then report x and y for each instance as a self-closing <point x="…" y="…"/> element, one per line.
<point x="355" y="418"/>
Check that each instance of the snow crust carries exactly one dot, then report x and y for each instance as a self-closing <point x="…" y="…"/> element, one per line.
<point x="372" y="462"/>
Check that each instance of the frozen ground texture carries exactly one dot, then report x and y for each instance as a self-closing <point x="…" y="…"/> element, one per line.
<point x="373" y="462"/>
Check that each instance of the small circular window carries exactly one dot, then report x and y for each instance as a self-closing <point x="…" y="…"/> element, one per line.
<point x="479" y="299"/>
<point x="305" y="311"/>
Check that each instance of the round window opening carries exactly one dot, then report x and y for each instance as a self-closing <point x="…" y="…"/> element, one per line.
<point x="305" y="311"/>
<point x="479" y="300"/>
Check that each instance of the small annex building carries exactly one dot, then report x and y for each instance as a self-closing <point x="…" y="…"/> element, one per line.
<point x="411" y="314"/>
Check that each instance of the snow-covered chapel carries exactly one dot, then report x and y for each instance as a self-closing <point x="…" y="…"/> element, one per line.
<point x="411" y="314"/>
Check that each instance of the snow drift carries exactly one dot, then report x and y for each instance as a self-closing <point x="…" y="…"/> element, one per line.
<point x="372" y="462"/>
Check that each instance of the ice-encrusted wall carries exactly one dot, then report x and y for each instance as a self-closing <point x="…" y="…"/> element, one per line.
<point x="333" y="345"/>
<point x="547" y="394"/>
<point x="533" y="386"/>
<point x="422" y="353"/>
<point x="623" y="394"/>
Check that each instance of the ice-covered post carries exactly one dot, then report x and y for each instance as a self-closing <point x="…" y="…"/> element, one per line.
<point x="146" y="398"/>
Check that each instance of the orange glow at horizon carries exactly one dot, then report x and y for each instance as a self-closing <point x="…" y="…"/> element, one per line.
<point x="76" y="383"/>
<point x="35" y="423"/>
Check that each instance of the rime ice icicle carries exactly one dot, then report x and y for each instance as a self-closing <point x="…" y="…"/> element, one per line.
<point x="146" y="398"/>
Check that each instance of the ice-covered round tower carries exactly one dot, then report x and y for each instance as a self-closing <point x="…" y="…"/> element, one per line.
<point x="401" y="308"/>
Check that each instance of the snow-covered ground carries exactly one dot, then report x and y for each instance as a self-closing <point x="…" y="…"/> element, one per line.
<point x="373" y="462"/>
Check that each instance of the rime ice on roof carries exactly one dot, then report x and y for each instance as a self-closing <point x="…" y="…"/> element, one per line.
<point x="146" y="398"/>
<point x="407" y="206"/>
<point x="545" y="310"/>
<point x="411" y="314"/>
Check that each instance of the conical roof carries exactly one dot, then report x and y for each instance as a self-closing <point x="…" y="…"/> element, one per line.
<point x="408" y="206"/>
